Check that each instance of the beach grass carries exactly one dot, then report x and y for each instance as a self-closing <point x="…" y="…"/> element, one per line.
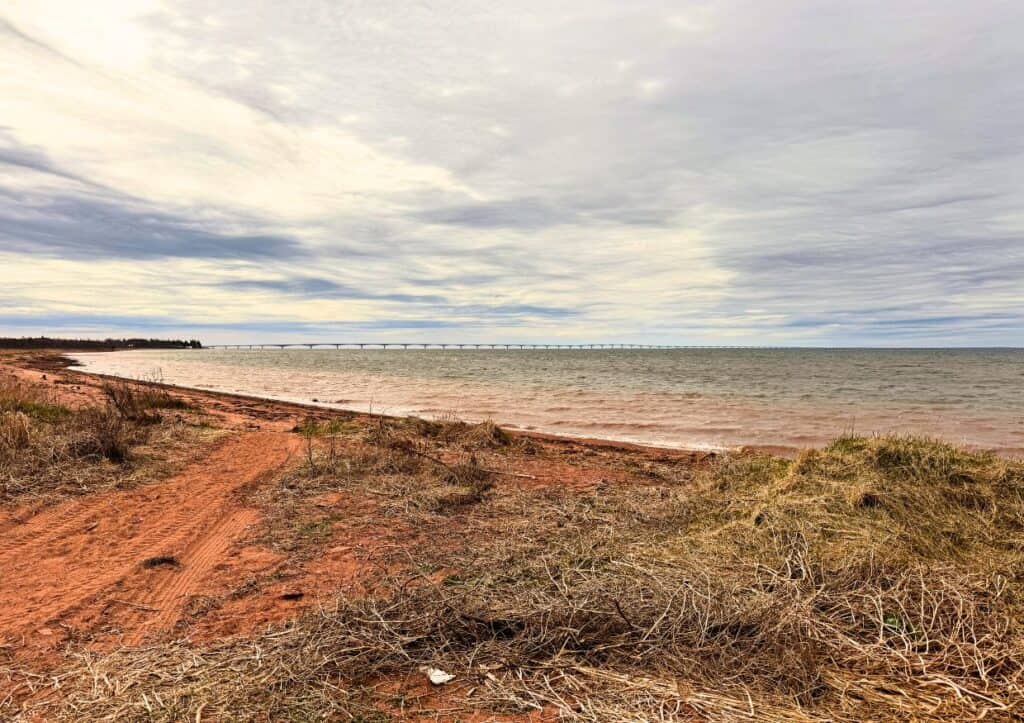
<point x="877" y="578"/>
<point x="49" y="450"/>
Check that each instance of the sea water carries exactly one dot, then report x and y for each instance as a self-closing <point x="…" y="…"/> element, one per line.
<point x="690" y="398"/>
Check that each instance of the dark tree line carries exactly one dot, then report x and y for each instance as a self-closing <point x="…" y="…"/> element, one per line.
<point x="46" y="342"/>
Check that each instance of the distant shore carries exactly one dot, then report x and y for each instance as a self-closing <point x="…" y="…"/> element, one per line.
<point x="53" y="343"/>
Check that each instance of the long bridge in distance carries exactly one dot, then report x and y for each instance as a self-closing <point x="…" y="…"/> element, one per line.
<point x="445" y="345"/>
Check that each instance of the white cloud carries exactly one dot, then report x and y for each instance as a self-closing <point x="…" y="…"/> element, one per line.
<point x="166" y="140"/>
<point x="594" y="170"/>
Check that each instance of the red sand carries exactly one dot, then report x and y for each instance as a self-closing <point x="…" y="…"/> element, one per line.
<point x="74" y="572"/>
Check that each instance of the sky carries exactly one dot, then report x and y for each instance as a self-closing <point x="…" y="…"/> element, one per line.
<point x="741" y="173"/>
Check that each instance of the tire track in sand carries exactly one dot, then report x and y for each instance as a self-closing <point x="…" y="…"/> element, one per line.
<point x="62" y="520"/>
<point x="198" y="561"/>
<point x="55" y="570"/>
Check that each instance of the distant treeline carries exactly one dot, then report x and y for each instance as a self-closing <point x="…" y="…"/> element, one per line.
<point x="46" y="342"/>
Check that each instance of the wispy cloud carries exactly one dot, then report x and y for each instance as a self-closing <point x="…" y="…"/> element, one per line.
<point x="317" y="287"/>
<point x="524" y="214"/>
<point x="87" y="229"/>
<point x="726" y="171"/>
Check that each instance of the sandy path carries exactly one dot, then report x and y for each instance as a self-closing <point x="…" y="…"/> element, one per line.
<point x="62" y="569"/>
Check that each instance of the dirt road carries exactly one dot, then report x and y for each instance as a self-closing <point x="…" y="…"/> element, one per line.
<point x="80" y="569"/>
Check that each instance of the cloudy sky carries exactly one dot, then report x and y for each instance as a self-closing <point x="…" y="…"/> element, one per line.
<point x="761" y="172"/>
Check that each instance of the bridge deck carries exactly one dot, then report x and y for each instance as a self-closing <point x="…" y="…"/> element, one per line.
<point x="455" y="345"/>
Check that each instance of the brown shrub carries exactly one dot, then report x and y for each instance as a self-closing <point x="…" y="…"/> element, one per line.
<point x="104" y="432"/>
<point x="140" y="403"/>
<point x="15" y="431"/>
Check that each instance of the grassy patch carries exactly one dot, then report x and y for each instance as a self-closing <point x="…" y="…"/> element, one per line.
<point x="42" y="411"/>
<point x="312" y="532"/>
<point x="32" y="401"/>
<point x="49" y="450"/>
<point x="141" y="403"/>
<point x="387" y="465"/>
<point x="877" y="578"/>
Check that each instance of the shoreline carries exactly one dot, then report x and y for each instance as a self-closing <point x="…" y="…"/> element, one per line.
<point x="220" y="536"/>
<point x="324" y="408"/>
<point x="321" y="410"/>
<point x="713" y="423"/>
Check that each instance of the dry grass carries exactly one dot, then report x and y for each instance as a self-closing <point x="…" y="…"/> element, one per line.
<point x="48" y="450"/>
<point x="404" y="466"/>
<point x="877" y="578"/>
<point x="30" y="400"/>
<point x="140" y="403"/>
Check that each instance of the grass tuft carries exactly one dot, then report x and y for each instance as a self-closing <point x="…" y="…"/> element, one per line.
<point x="140" y="403"/>
<point x="878" y="578"/>
<point x="48" y="449"/>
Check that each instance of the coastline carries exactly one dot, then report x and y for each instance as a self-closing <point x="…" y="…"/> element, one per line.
<point x="716" y="401"/>
<point x="62" y="359"/>
<point x="321" y="409"/>
<point x="188" y="548"/>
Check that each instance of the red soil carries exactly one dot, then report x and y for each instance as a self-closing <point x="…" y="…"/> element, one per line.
<point x="76" y="569"/>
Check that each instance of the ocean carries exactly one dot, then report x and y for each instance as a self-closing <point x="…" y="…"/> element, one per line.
<point x="688" y="398"/>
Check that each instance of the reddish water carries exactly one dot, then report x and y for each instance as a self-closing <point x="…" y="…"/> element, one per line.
<point x="686" y="398"/>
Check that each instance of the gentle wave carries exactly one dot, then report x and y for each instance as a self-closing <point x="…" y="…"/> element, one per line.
<point x="706" y="399"/>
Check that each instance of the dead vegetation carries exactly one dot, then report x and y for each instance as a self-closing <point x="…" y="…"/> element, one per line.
<point x="392" y="466"/>
<point x="878" y="578"/>
<point x="50" y="450"/>
<point x="140" y="403"/>
<point x="447" y="462"/>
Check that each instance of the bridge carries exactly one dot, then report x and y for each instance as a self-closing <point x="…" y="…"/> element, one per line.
<point x="453" y="345"/>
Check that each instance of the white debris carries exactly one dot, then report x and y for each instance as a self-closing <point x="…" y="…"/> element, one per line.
<point x="436" y="676"/>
